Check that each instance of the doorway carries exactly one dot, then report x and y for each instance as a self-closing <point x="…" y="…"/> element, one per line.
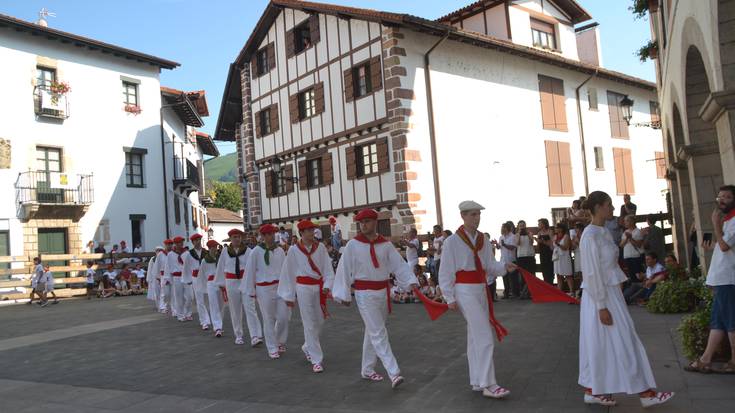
<point x="53" y="241"/>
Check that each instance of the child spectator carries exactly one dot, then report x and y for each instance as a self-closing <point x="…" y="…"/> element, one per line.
<point x="49" y="277"/>
<point x="140" y="275"/>
<point x="90" y="279"/>
<point x="38" y="283"/>
<point x="108" y="282"/>
<point x="642" y="289"/>
<point x="123" y="281"/>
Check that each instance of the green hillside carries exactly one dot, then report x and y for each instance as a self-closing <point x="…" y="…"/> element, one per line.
<point x="223" y="168"/>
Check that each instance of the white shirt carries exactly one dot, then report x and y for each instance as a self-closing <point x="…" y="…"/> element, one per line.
<point x="457" y="256"/>
<point x="630" y="250"/>
<point x="226" y="264"/>
<point x="191" y="264"/>
<point x="111" y="275"/>
<point x="651" y="271"/>
<point x="174" y="263"/>
<point x="722" y="267"/>
<point x="260" y="272"/>
<point x="38" y="274"/>
<point x="49" y="278"/>
<point x="525" y="246"/>
<point x="140" y="273"/>
<point x="412" y="254"/>
<point x="437" y="244"/>
<point x="599" y="264"/>
<point x="297" y="265"/>
<point x="207" y="269"/>
<point x="90" y="276"/>
<point x="507" y="256"/>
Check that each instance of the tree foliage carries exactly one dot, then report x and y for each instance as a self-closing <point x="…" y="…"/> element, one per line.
<point x="639" y="8"/>
<point x="227" y="195"/>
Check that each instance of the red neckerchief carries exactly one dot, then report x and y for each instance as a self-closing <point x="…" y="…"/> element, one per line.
<point x="462" y="234"/>
<point x="379" y="240"/>
<point x="300" y="245"/>
<point x="179" y="257"/>
<point x="558" y="238"/>
<point x="729" y="216"/>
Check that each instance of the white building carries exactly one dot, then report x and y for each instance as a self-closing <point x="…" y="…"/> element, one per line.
<point x="102" y="161"/>
<point x="504" y="102"/>
<point x="221" y="221"/>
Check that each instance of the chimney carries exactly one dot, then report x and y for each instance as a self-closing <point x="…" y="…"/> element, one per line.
<point x="42" y="22"/>
<point x="588" y="44"/>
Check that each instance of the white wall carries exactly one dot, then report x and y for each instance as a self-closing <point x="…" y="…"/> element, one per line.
<point x="520" y="24"/>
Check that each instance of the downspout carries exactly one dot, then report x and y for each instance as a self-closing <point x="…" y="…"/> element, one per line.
<point x="432" y="130"/>
<point x="581" y="132"/>
<point x="165" y="179"/>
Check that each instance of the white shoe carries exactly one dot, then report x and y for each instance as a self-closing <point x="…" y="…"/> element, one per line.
<point x="281" y="348"/>
<point x="317" y="368"/>
<point x="396" y="381"/>
<point x="274" y="356"/>
<point x="602" y="400"/>
<point x="495" y="392"/>
<point x="205" y="327"/>
<point x="256" y="341"/>
<point x="239" y="341"/>
<point x="658" y="398"/>
<point x="477" y="388"/>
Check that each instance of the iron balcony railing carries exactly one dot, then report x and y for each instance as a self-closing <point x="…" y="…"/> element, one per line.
<point x="186" y="173"/>
<point x="48" y="104"/>
<point x="45" y="187"/>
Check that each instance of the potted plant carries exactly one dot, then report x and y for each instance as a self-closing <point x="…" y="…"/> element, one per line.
<point x="57" y="90"/>
<point x="134" y="109"/>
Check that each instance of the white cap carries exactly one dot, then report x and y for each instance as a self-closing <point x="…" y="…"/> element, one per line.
<point x="159" y="248"/>
<point x="470" y="206"/>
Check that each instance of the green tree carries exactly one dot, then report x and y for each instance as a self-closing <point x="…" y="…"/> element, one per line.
<point x="226" y="195"/>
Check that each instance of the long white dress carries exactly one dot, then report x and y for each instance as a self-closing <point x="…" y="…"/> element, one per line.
<point x="563" y="265"/>
<point x="612" y="359"/>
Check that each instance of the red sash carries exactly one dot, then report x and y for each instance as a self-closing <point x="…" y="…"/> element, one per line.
<point x="478" y="277"/>
<point x="267" y="283"/>
<point x="374" y="286"/>
<point x="210" y="278"/>
<point x="379" y="240"/>
<point x="233" y="276"/>
<point x="195" y="273"/>
<point x="308" y="280"/>
<point x="176" y="274"/>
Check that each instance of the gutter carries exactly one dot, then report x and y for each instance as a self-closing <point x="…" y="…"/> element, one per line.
<point x="163" y="164"/>
<point x="581" y="132"/>
<point x="432" y="130"/>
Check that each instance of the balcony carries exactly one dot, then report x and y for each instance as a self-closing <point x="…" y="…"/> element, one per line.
<point x="53" y="195"/>
<point x="186" y="176"/>
<point x="50" y="105"/>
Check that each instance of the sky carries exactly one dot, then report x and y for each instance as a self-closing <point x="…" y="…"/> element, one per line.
<point x="205" y="36"/>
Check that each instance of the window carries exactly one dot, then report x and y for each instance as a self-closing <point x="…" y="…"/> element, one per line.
<point x="660" y="165"/>
<point x="314" y="172"/>
<point x="592" y="98"/>
<point x="559" y="168"/>
<point x="599" y="161"/>
<point x="136" y="229"/>
<point x="177" y="210"/>
<point x="130" y="93"/>
<point x="618" y="126"/>
<point x="367" y="159"/>
<point x="307" y="104"/>
<point x="655" y="114"/>
<point x="263" y="63"/>
<point x="543" y="34"/>
<point x="553" y="105"/>
<point x="279" y="184"/>
<point x="45" y="76"/>
<point x="302" y="37"/>
<point x="623" y="171"/>
<point x="361" y="77"/>
<point x="48" y="161"/>
<point x="134" y="169"/>
<point x="265" y="122"/>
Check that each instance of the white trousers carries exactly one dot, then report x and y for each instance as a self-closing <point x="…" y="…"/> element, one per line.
<point x="472" y="302"/>
<point x="312" y="318"/>
<point x="182" y="298"/>
<point x="164" y="297"/>
<point x="234" y="302"/>
<point x="275" y="316"/>
<point x="200" y="297"/>
<point x="216" y="305"/>
<point x="373" y="309"/>
<point x="154" y="291"/>
<point x="251" y="316"/>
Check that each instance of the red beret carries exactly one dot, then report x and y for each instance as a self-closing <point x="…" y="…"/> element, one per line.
<point x="212" y="243"/>
<point x="167" y="242"/>
<point x="178" y="239"/>
<point x="332" y="220"/>
<point x="366" y="214"/>
<point x="304" y="225"/>
<point x="235" y="231"/>
<point x="195" y="237"/>
<point x="268" y="229"/>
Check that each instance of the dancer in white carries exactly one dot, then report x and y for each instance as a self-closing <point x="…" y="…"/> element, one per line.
<point x="154" y="278"/>
<point x="308" y="275"/>
<point x="366" y="265"/>
<point x="412" y="249"/>
<point x="468" y="264"/>
<point x="174" y="271"/>
<point x="264" y="271"/>
<point x="164" y="296"/>
<point x="195" y="287"/>
<point x="215" y="293"/>
<point x="611" y="356"/>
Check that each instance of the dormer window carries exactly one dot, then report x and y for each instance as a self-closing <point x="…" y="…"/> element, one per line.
<point x="302" y="37"/>
<point x="543" y="34"/>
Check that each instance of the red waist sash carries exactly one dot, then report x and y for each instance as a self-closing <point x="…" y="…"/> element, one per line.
<point x="233" y="276"/>
<point x="375" y="286"/>
<point x="266" y="283"/>
<point x="176" y="274"/>
<point x="478" y="277"/>
<point x="304" y="280"/>
<point x="195" y="273"/>
<point x="210" y="278"/>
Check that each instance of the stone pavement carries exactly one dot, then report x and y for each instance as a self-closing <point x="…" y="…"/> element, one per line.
<point x="117" y="355"/>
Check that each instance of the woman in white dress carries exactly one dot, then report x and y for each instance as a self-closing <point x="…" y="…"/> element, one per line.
<point x="562" y="257"/>
<point x="612" y="358"/>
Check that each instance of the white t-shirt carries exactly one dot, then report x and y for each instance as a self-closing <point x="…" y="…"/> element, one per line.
<point x="629" y="250"/>
<point x="525" y="246"/>
<point x="722" y="267"/>
<point x="412" y="254"/>
<point x="139" y="273"/>
<point x="651" y="271"/>
<point x="507" y="256"/>
<point x="48" y="278"/>
<point x="90" y="276"/>
<point x="110" y="275"/>
<point x="38" y="273"/>
<point x="437" y="244"/>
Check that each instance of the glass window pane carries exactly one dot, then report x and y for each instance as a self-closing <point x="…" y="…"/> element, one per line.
<point x="53" y="155"/>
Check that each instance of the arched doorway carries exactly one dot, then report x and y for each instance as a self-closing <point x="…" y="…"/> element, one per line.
<point x="685" y="216"/>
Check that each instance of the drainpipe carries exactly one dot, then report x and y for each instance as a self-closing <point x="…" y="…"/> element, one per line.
<point x="165" y="179"/>
<point x="432" y="130"/>
<point x="581" y="132"/>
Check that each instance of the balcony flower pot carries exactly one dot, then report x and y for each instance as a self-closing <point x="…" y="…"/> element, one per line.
<point x="58" y="89"/>
<point x="134" y="109"/>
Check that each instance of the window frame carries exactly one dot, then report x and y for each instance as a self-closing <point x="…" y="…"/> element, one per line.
<point x="41" y="81"/>
<point x="372" y="155"/>
<point x="549" y="34"/>
<point x="301" y="33"/>
<point x="314" y="173"/>
<point x="264" y="118"/>
<point x="592" y="91"/>
<point x="599" y="158"/>
<point x="278" y="184"/>
<point x="305" y="97"/>
<point x="357" y="91"/>
<point x="130" y="175"/>
<point x="126" y="94"/>
<point x="262" y="65"/>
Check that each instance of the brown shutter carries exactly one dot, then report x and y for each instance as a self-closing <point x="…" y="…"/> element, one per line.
<point x="303" y="179"/>
<point x="560" y="112"/>
<point x="376" y="75"/>
<point x="254" y="66"/>
<point x="314" y="28"/>
<point x="290" y="44"/>
<point x="293" y="107"/>
<point x="547" y="102"/>
<point x="592" y="98"/>
<point x="271" y="56"/>
<point x="258" y="129"/>
<point x="565" y="169"/>
<point x="619" y="171"/>
<point x="349" y="86"/>
<point x="351" y="162"/>
<point x="618" y="127"/>
<point x="552" y="168"/>
<point x="274" y="118"/>
<point x="319" y="97"/>
<point x="660" y="165"/>
<point x="288" y="173"/>
<point x="327" y="170"/>
<point x="628" y="165"/>
<point x="655" y="117"/>
<point x="383" y="155"/>
<point x="269" y="184"/>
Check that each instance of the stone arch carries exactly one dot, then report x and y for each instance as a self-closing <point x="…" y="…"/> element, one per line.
<point x="681" y="190"/>
<point x="726" y="37"/>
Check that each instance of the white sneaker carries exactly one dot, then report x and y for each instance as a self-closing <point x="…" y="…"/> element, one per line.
<point x="317" y="368"/>
<point x="477" y="388"/>
<point x="239" y="341"/>
<point x="396" y="381"/>
<point x="495" y="392"/>
<point x="256" y="341"/>
<point x="658" y="398"/>
<point x="602" y="400"/>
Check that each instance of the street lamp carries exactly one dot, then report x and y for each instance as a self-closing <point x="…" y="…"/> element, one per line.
<point x="210" y="232"/>
<point x="626" y="104"/>
<point x="278" y="168"/>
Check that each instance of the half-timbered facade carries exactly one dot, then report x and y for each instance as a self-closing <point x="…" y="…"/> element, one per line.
<point x="335" y="109"/>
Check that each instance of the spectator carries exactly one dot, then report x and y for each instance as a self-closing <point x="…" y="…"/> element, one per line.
<point x="721" y="278"/>
<point x="438" y="297"/>
<point x="631" y="243"/>
<point x="576" y="237"/>
<point x="140" y="283"/>
<point x="640" y="290"/>
<point x="49" y="277"/>
<point x="653" y="238"/>
<point x="424" y="286"/>
<point x="674" y="269"/>
<point x="507" y="246"/>
<point x="318" y="234"/>
<point x="446" y="233"/>
<point x="612" y="225"/>
<point x="90" y="279"/>
<point x="282" y="237"/>
<point x="336" y="230"/>
<point x="545" y="249"/>
<point x="89" y="249"/>
<point x="38" y="282"/>
<point x="413" y="246"/>
<point x="109" y="278"/>
<point x="562" y="258"/>
<point x="122" y="284"/>
<point x="628" y="207"/>
<point x="436" y="247"/>
<point x="525" y="255"/>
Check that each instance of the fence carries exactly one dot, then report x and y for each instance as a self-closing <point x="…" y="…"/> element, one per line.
<point x="73" y="284"/>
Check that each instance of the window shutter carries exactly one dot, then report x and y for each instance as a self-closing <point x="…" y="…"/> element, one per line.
<point x="547" y="102"/>
<point x="303" y="179"/>
<point x="552" y="168"/>
<point x="628" y="164"/>
<point x="327" y="171"/>
<point x="383" y="156"/>
<point x="349" y="86"/>
<point x="314" y="28"/>
<point x="592" y="98"/>
<point x="269" y="184"/>
<point x="565" y="169"/>
<point x="290" y="44"/>
<point x="319" y="97"/>
<point x="274" y="118"/>
<point x="618" y="127"/>
<point x="560" y="112"/>
<point x="258" y="128"/>
<point x="293" y="107"/>
<point x="660" y="165"/>
<point x="376" y="75"/>
<point x="351" y="162"/>
<point x="655" y="117"/>
<point x="271" y="56"/>
<point x="288" y="173"/>
<point x="619" y="171"/>
<point x="254" y="66"/>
